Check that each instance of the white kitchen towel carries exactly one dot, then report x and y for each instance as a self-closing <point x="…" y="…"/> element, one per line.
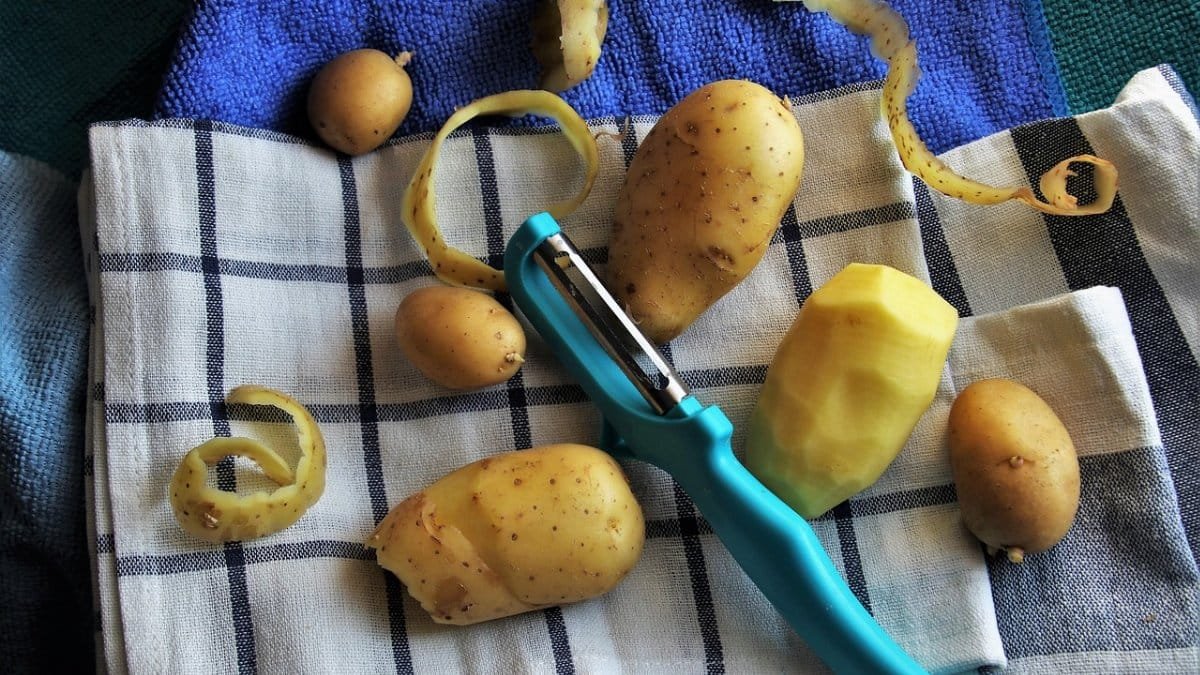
<point x="224" y="256"/>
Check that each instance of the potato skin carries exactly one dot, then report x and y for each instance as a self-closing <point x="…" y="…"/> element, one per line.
<point x="1015" y="467"/>
<point x="458" y="337"/>
<point x="358" y="100"/>
<point x="702" y="198"/>
<point x="515" y="532"/>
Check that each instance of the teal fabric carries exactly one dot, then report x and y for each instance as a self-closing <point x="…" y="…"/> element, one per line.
<point x="45" y="595"/>
<point x="63" y="65"/>
<point x="1100" y="45"/>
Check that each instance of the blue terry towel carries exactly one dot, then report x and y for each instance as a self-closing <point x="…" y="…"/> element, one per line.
<point x="988" y="65"/>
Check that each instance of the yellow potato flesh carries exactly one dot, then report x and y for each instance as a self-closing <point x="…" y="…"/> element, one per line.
<point x="459" y="338"/>
<point x="702" y="198"/>
<point x="513" y="533"/>
<point x="857" y="369"/>
<point x="1015" y="467"/>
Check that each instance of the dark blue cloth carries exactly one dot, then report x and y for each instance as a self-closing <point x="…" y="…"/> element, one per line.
<point x="989" y="65"/>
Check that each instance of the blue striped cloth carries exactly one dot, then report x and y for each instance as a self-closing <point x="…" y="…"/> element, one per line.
<point x="988" y="66"/>
<point x="201" y="286"/>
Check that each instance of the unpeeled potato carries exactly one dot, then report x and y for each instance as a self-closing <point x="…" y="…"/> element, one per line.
<point x="458" y="337"/>
<point x="1015" y="468"/>
<point x="702" y="198"/>
<point x="513" y="533"/>
<point x="358" y="100"/>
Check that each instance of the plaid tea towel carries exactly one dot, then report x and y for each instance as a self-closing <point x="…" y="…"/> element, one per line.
<point x="222" y="255"/>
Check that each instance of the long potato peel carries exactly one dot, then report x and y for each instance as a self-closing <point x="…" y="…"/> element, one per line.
<point x="567" y="36"/>
<point x="453" y="265"/>
<point x="219" y="516"/>
<point x="890" y="42"/>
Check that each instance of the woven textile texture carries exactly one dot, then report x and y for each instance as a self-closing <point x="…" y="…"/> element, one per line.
<point x="226" y="255"/>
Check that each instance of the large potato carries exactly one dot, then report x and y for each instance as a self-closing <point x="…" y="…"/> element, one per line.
<point x="358" y="100"/>
<point x="459" y="338"/>
<point x="1015" y="468"/>
<point x="703" y="196"/>
<point x="515" y="532"/>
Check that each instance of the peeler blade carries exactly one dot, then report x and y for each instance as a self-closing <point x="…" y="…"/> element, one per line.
<point x="613" y="329"/>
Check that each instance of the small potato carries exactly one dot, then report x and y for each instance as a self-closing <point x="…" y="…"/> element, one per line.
<point x="459" y="338"/>
<point x="358" y="100"/>
<point x="1014" y="466"/>
<point x="515" y="532"/>
<point x="704" y="193"/>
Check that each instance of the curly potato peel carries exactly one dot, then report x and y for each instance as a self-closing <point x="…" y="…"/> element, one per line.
<point x="567" y="35"/>
<point x="890" y="42"/>
<point x="219" y="516"/>
<point x="453" y="265"/>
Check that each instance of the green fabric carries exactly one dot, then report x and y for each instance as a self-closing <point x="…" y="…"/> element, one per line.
<point x="65" y="64"/>
<point x="1100" y="45"/>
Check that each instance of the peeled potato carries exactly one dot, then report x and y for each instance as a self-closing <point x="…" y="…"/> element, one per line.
<point x="358" y="100"/>
<point x="857" y="369"/>
<point x="1015" y="468"/>
<point x="513" y="533"/>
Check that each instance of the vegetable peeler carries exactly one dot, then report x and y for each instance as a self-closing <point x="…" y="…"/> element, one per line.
<point x="649" y="415"/>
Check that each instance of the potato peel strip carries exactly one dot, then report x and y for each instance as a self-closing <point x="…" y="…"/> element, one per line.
<point x="219" y="516"/>
<point x="890" y="42"/>
<point x="567" y="35"/>
<point x="450" y="264"/>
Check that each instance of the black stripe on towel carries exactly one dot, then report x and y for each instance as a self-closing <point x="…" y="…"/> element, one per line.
<point x="254" y="554"/>
<point x="689" y="522"/>
<point x="943" y="273"/>
<point x="234" y="558"/>
<point x="1104" y="250"/>
<point x="792" y="234"/>
<point x="793" y="242"/>
<point x="368" y="414"/>
<point x="693" y="551"/>
<point x="843" y="516"/>
<point x="485" y="161"/>
<point x="710" y="630"/>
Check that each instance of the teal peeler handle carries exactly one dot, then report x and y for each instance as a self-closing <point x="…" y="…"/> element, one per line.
<point x="774" y="545"/>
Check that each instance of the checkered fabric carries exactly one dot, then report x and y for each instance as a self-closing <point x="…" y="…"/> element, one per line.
<point x="221" y="256"/>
